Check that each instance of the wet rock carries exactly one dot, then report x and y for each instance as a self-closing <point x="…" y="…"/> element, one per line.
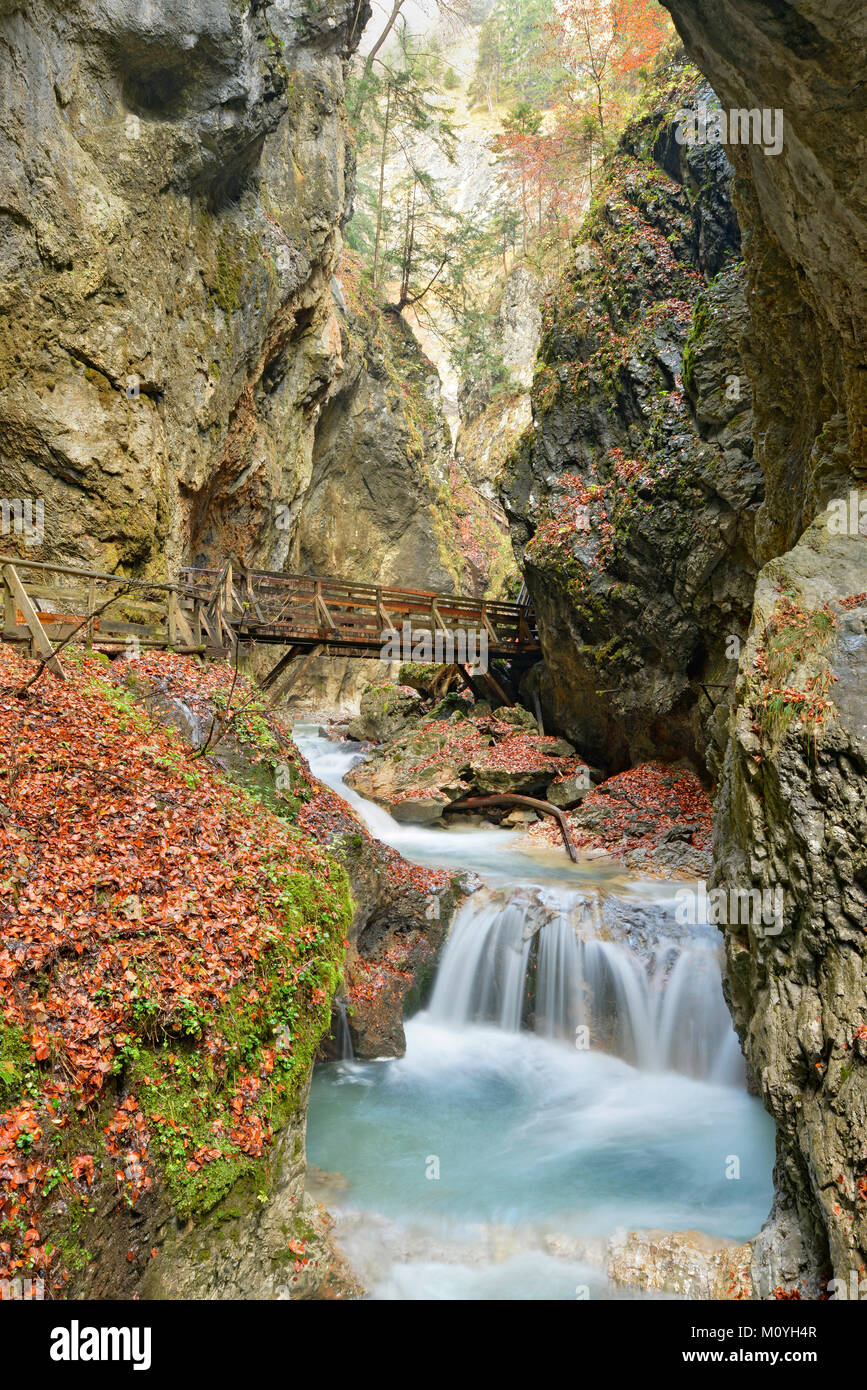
<point x="568" y="792"/>
<point x="792" y="817"/>
<point x="518" y="718"/>
<point x="423" y="764"/>
<point x="385" y="710"/>
<point x="688" y="1264"/>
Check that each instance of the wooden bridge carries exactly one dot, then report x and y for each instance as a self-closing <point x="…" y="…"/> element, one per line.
<point x="212" y="612"/>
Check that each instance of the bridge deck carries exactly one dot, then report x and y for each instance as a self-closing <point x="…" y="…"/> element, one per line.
<point x="339" y="614"/>
<point x="210" y="611"/>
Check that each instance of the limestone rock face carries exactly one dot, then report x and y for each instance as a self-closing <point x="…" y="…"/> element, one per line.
<point x="804" y="216"/>
<point x="374" y="508"/>
<point x="173" y="178"/>
<point x="792" y="814"/>
<point x="632" y="498"/>
<point x="793" y="786"/>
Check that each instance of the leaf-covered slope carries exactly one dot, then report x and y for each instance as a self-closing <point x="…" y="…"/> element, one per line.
<point x="169" y="952"/>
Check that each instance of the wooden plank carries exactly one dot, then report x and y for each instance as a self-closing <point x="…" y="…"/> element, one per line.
<point x="31" y="617"/>
<point x="179" y="619"/>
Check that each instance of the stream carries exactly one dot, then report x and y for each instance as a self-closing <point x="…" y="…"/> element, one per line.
<point x="574" y="1074"/>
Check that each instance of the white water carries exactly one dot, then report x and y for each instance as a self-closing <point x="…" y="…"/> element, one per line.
<point x="541" y="958"/>
<point x="496" y="1157"/>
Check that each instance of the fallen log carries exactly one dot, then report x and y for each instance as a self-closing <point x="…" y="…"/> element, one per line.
<point x="474" y="803"/>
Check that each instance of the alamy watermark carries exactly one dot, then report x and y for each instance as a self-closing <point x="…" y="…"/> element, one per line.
<point x="23" y="517"/>
<point x="738" y="126"/>
<point x="461" y="647"/>
<point x="18" y="1289"/>
<point x="852" y="1290"/>
<point x="759" y="908"/>
<point x="77" y="1343"/>
<point x="847" y="516"/>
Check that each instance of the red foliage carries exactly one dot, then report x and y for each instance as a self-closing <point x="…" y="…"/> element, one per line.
<point x="126" y="872"/>
<point x="651" y="794"/>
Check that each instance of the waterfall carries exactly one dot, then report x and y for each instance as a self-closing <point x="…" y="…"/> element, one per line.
<point x="344" y="1037"/>
<point x="546" y="959"/>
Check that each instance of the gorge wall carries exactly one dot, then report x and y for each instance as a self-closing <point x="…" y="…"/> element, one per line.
<point x="792" y="794"/>
<point x="174" y="181"/>
<point x="701" y="587"/>
<point x="187" y="371"/>
<point x="633" y="495"/>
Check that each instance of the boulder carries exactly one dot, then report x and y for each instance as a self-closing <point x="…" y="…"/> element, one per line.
<point x="386" y="709"/>
<point x="518" y="717"/>
<point x="419" y="773"/>
<point x="568" y="791"/>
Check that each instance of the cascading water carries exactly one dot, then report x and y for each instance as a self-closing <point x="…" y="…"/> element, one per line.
<point x="496" y="1158"/>
<point x="540" y="959"/>
<point x="344" y="1039"/>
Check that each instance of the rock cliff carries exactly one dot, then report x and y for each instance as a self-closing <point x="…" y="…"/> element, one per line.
<point x="174" y="181"/>
<point x="792" y="795"/>
<point x="633" y="495"/>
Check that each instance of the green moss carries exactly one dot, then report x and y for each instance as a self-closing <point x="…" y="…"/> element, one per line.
<point x="234" y="255"/>
<point x="277" y="1015"/>
<point x="700" y="324"/>
<point x="795" y="639"/>
<point x="99" y="380"/>
<point x="17" y="1065"/>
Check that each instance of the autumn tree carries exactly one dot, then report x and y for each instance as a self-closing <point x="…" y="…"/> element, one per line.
<point x="601" y="44"/>
<point x="519" y="147"/>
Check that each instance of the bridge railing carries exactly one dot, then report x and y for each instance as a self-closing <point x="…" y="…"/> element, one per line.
<point x="306" y="606"/>
<point x="107" y="610"/>
<point x="210" y="610"/>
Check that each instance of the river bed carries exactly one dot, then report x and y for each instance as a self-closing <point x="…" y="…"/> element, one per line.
<point x="494" y="1159"/>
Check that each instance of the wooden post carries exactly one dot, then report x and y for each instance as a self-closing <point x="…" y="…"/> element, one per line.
<point x="183" y="630"/>
<point x="322" y="612"/>
<point x="491" y="630"/>
<point x="10" y="610"/>
<point x="31" y="618"/>
<point x="172" y="617"/>
<point x="91" y="604"/>
<point x="383" y="616"/>
<point x="435" y="613"/>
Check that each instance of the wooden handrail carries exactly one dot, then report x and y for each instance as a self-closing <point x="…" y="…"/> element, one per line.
<point x="79" y="572"/>
<point x="496" y="607"/>
<point x="205" y="608"/>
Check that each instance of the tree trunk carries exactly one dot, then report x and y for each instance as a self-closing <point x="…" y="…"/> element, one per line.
<point x="473" y="803"/>
<point x="381" y="187"/>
